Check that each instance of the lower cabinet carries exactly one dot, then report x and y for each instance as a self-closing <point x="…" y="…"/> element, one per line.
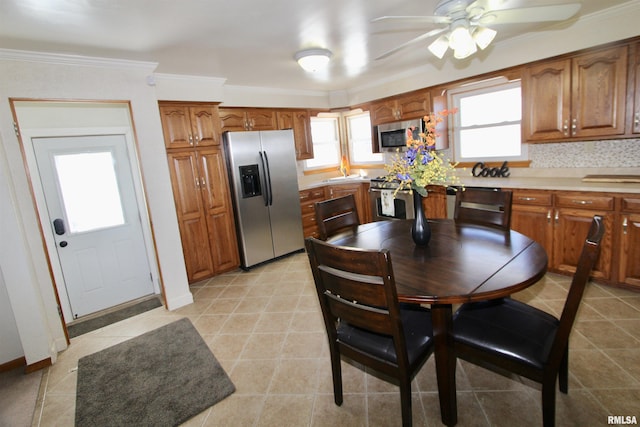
<point x="628" y="231"/>
<point x="360" y="192"/>
<point x="560" y="220"/>
<point x="205" y="215"/>
<point x="308" y="199"/>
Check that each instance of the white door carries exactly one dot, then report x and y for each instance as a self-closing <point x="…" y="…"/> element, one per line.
<point x="90" y="197"/>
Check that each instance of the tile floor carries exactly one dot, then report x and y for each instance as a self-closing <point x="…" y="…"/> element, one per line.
<point x="265" y="328"/>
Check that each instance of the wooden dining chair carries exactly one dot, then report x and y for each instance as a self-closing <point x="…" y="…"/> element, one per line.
<point x="336" y="215"/>
<point x="363" y="318"/>
<point x="522" y="339"/>
<point x="484" y="206"/>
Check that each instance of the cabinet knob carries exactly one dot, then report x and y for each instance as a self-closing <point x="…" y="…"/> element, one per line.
<point x="190" y="139"/>
<point x="625" y="224"/>
<point x="565" y="128"/>
<point x="549" y="216"/>
<point x="637" y="119"/>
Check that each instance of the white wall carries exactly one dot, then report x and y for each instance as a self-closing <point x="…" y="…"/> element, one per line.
<point x="23" y="262"/>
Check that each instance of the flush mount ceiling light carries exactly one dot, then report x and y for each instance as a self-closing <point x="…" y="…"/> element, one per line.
<point x="312" y="60"/>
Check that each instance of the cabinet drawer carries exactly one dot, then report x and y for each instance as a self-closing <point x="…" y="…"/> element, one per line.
<point x="585" y="201"/>
<point x="311" y="194"/>
<point x="631" y="204"/>
<point x="308" y="220"/>
<point x="538" y="198"/>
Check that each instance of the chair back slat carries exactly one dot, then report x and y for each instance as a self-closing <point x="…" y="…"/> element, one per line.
<point x="484" y="207"/>
<point x="356" y="286"/>
<point x="336" y="215"/>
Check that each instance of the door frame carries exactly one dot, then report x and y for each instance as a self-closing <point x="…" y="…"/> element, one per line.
<point x="43" y="215"/>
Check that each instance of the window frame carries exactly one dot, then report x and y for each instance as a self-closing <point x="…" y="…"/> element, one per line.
<point x="350" y="140"/>
<point x="478" y="88"/>
<point x="318" y="145"/>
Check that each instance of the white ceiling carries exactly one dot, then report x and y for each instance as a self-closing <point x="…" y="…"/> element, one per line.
<point x="248" y="43"/>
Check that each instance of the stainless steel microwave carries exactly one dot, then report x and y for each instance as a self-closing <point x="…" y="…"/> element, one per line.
<point x="393" y="136"/>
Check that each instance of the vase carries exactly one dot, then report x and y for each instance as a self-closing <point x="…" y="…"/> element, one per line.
<point x="420" y="229"/>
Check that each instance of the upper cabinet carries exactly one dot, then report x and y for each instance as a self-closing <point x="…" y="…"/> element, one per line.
<point x="409" y="106"/>
<point x="576" y="98"/>
<point x="244" y="119"/>
<point x="186" y="126"/>
<point x="300" y="122"/>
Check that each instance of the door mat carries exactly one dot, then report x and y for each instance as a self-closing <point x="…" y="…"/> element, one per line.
<point x="161" y="378"/>
<point x="84" y="326"/>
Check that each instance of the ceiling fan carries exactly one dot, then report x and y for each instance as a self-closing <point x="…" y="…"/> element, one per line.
<point x="465" y="24"/>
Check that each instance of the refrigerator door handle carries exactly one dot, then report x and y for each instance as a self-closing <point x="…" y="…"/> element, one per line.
<point x="268" y="178"/>
<point x="265" y="174"/>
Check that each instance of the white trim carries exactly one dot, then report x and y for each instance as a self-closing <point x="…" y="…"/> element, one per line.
<point x="78" y="60"/>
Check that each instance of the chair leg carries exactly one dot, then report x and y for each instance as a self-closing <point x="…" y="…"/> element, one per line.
<point x="336" y="370"/>
<point x="549" y="402"/>
<point x="405" y="401"/>
<point x="563" y="372"/>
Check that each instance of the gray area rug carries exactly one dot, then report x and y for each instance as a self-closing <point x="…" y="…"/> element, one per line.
<point x="77" y="329"/>
<point x="161" y="378"/>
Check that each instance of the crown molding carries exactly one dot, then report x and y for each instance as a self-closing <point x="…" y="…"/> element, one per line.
<point x="78" y="60"/>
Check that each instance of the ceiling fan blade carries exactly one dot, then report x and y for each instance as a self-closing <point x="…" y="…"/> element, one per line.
<point x="415" y="19"/>
<point x="412" y="41"/>
<point x="530" y="14"/>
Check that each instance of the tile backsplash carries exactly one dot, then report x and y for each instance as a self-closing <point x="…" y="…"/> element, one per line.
<point x="621" y="153"/>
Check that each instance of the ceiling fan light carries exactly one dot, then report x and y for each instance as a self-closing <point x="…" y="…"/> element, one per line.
<point x="312" y="60"/>
<point x="483" y="36"/>
<point x="460" y="39"/>
<point x="439" y="46"/>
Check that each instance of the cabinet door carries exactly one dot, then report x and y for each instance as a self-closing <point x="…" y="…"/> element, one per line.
<point x="218" y="210"/>
<point x="232" y="119"/>
<point x="435" y="204"/>
<point x="534" y="222"/>
<point x="205" y="125"/>
<point x="414" y="106"/>
<point x="635" y="117"/>
<point x="384" y="112"/>
<point x="599" y="93"/>
<point x="186" y="183"/>
<point x="262" y="119"/>
<point x="570" y="231"/>
<point x="546" y="92"/>
<point x="176" y="126"/>
<point x="300" y="122"/>
<point x="629" y="259"/>
<point x="360" y="195"/>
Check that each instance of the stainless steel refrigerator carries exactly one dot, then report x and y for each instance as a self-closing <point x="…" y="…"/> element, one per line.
<point x="262" y="172"/>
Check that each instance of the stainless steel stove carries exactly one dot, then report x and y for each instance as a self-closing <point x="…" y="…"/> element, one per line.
<point x="384" y="206"/>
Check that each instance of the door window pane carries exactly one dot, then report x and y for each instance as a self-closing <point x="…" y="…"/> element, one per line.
<point x="89" y="189"/>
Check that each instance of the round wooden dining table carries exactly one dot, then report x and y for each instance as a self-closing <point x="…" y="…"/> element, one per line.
<point x="461" y="263"/>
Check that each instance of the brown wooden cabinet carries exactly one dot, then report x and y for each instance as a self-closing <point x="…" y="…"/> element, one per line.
<point x="200" y="188"/>
<point x="186" y="126"/>
<point x="572" y="218"/>
<point x="300" y="122"/>
<point x="634" y="114"/>
<point x="308" y="198"/>
<point x="408" y="106"/>
<point x="629" y="248"/>
<point x="244" y="119"/>
<point x="576" y="98"/>
<point x="435" y="204"/>
<point x="203" y="206"/>
<point x="360" y="192"/>
<point x="531" y="215"/>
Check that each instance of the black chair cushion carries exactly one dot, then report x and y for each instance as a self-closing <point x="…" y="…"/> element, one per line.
<point x="418" y="333"/>
<point x="507" y="327"/>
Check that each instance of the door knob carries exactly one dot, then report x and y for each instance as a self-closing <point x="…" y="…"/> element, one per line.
<point x="63" y="244"/>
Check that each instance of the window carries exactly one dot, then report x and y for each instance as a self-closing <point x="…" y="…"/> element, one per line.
<point x="359" y="136"/>
<point x="326" y="143"/>
<point x="487" y="125"/>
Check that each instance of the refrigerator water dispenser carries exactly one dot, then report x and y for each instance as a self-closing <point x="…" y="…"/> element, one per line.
<point x="250" y="178"/>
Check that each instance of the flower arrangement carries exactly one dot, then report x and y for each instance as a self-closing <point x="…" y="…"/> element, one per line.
<point x="421" y="165"/>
